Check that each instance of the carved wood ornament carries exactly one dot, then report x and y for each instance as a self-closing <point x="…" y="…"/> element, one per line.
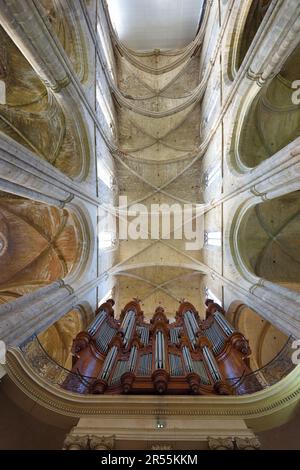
<point x="187" y="356"/>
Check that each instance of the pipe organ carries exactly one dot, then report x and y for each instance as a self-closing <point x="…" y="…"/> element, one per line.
<point x="130" y="355"/>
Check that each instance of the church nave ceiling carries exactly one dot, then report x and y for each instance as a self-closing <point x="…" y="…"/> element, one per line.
<point x="42" y="245"/>
<point x="32" y="115"/>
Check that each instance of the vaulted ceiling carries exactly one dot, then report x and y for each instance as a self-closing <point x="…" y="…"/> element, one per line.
<point x="158" y="108"/>
<point x="155" y="24"/>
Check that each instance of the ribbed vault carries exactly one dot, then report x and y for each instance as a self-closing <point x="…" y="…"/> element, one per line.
<point x="157" y="99"/>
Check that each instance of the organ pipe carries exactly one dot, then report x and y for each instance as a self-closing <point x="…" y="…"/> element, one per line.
<point x="187" y="359"/>
<point x="223" y="323"/>
<point x="104" y="336"/>
<point x="153" y="357"/>
<point x="97" y="322"/>
<point x="212" y="365"/>
<point x="127" y="326"/>
<point x="109" y="362"/>
<point x="132" y="359"/>
<point x="144" y="334"/>
<point x="160" y="351"/>
<point x="190" y="331"/>
<point x="193" y="322"/>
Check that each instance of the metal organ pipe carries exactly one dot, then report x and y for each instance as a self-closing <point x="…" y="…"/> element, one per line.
<point x="174" y="335"/>
<point x="216" y="336"/>
<point x="104" y="336"/>
<point x="120" y="369"/>
<point x="127" y="326"/>
<point x="136" y="356"/>
<point x="187" y="358"/>
<point x="190" y="329"/>
<point x="175" y="365"/>
<point x="158" y="359"/>
<point x="145" y="336"/>
<point x="97" y="322"/>
<point x="193" y="321"/>
<point x="145" y="366"/>
<point x="132" y="359"/>
<point x="129" y="329"/>
<point x="109" y="362"/>
<point x="224" y="324"/>
<point x="212" y="365"/>
<point x="144" y="333"/>
<point x="125" y="321"/>
<point x="199" y="368"/>
<point x="159" y="351"/>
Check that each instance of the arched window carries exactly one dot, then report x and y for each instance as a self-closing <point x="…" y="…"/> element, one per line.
<point x="106" y="229"/>
<point x="212" y="238"/>
<point x="104" y="174"/>
<point x="105" y="48"/>
<point x="104" y="107"/>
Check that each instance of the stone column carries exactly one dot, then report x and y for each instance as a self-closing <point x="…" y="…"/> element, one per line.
<point x="274" y="303"/>
<point x="25" y="174"/>
<point x="34" y="312"/>
<point x="26" y="300"/>
<point x="22" y="191"/>
<point x="23" y="23"/>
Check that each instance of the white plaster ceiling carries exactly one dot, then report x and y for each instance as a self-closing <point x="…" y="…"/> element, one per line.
<point x="155" y="24"/>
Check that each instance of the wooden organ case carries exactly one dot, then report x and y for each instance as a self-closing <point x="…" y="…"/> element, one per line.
<point x="130" y="355"/>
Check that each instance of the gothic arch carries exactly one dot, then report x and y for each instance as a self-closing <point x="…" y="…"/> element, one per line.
<point x="49" y="126"/>
<point x="57" y="340"/>
<point x="265" y="241"/>
<point x="268" y="120"/>
<point x="247" y="22"/>
<point x="65" y="24"/>
<point x="86" y="229"/>
<point x="39" y="245"/>
<point x="265" y="340"/>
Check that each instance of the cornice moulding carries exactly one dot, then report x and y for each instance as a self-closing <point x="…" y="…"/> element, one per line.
<point x="271" y="402"/>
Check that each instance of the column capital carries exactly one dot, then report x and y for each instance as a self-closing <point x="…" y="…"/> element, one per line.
<point x="247" y="443"/>
<point x="101" y="442"/>
<point x="220" y="443"/>
<point x="74" y="442"/>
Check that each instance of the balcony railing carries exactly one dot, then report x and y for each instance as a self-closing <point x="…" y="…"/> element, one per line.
<point x="47" y="368"/>
<point x="271" y="373"/>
